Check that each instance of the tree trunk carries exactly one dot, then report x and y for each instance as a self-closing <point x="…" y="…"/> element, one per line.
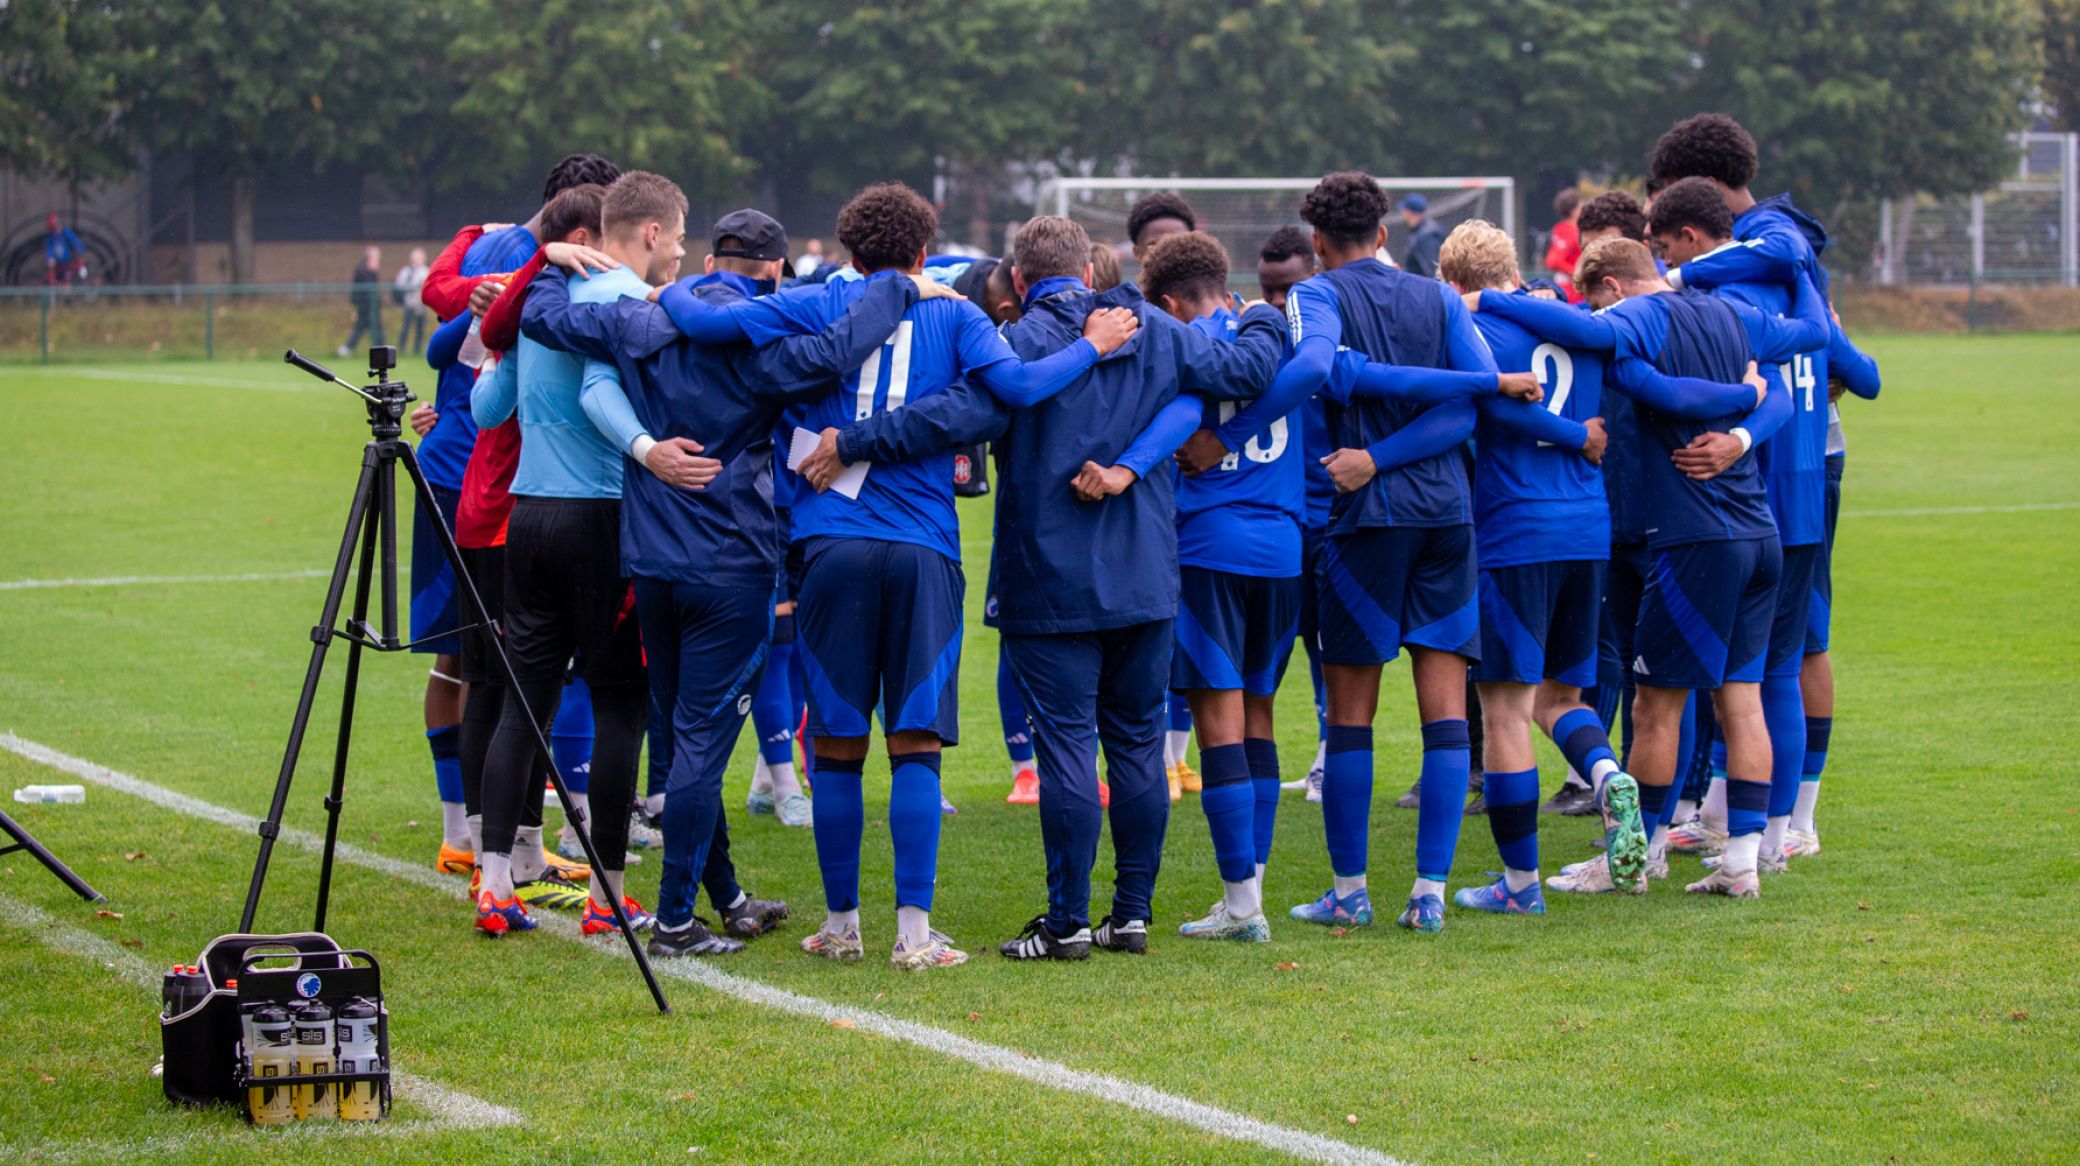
<point x="242" y="197"/>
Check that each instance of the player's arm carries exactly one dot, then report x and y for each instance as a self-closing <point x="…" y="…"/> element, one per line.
<point x="960" y="416"/>
<point x="496" y="393"/>
<point x="1439" y="428"/>
<point x="1777" y="339"/>
<point x="1554" y="320"/>
<point x="1355" y="376"/>
<point x="1777" y="255"/>
<point x="806" y="366"/>
<point x="604" y="400"/>
<point x="1535" y="422"/>
<point x="444" y="347"/>
<point x="1851" y="365"/>
<point x="446" y="289"/>
<point x="986" y="357"/>
<point x="1243" y="369"/>
<point x="704" y="322"/>
<point x="501" y="328"/>
<point x="549" y="318"/>
<point x="1691" y="397"/>
<point x="1315" y="325"/>
<point x="1160" y="438"/>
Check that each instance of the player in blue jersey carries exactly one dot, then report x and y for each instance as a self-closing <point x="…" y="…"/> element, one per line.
<point x="1398" y="567"/>
<point x="879" y="619"/>
<point x="1704" y="622"/>
<point x="1086" y="579"/>
<point x="1239" y="555"/>
<point x="447" y="433"/>
<point x="1693" y="226"/>
<point x="1542" y="533"/>
<point x="1778" y="244"/>
<point x="705" y="563"/>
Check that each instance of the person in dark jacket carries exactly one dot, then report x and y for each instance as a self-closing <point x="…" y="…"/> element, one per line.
<point x="367" y="298"/>
<point x="1425" y="237"/>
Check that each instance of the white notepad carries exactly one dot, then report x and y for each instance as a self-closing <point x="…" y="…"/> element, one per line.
<point x="847" y="482"/>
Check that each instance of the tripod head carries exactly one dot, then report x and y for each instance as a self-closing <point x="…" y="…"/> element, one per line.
<point x="384" y="398"/>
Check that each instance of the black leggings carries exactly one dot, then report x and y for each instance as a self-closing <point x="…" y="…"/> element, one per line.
<point x="513" y="762"/>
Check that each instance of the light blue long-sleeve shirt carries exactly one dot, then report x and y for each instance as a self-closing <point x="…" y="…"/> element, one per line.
<point x="566" y="407"/>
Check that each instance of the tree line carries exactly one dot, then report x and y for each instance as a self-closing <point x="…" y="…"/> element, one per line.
<point x="1850" y="99"/>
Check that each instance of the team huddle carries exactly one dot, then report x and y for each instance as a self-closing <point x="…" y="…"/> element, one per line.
<point x="694" y="501"/>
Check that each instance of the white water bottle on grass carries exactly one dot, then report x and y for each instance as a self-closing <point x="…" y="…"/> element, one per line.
<point x="70" y="795"/>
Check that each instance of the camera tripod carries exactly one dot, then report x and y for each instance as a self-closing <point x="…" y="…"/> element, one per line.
<point x="23" y="841"/>
<point x="372" y="525"/>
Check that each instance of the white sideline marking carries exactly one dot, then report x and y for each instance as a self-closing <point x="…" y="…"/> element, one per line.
<point x="450" y="1107"/>
<point x="286" y="385"/>
<point x="155" y="580"/>
<point x="1053" y="1074"/>
<point x="1922" y="511"/>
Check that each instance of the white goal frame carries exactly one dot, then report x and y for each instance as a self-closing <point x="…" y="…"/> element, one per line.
<point x="1057" y="194"/>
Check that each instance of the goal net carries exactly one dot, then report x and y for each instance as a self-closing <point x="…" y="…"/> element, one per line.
<point x="1243" y="212"/>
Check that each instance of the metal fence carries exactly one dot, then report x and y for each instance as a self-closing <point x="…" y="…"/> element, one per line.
<point x="2026" y="231"/>
<point x="193" y="321"/>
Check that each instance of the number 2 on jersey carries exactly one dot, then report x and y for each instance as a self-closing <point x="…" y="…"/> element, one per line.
<point x="1554" y="367"/>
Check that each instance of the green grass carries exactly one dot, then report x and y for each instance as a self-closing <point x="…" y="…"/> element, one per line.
<point x="1907" y="996"/>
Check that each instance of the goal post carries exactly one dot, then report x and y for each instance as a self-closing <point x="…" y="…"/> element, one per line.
<point x="1243" y="212"/>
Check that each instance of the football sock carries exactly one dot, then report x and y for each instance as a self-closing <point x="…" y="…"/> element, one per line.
<point x="1818" y="729"/>
<point x="1425" y="886"/>
<point x="914" y="924"/>
<point x="1263" y="776"/>
<point x="761" y="775"/>
<point x="570" y="737"/>
<point x="840" y="818"/>
<point x="1713" y="808"/>
<point x="1011" y="713"/>
<point x="772" y="707"/>
<point x="1784" y="715"/>
<point x="1513" y="819"/>
<point x="476" y="833"/>
<point x="1586" y="746"/>
<point x="1742" y="851"/>
<point x="1685" y="809"/>
<point x="1177" y="745"/>
<point x="840" y="922"/>
<point x="528" y="863"/>
<point x="583" y="804"/>
<point x="606" y="889"/>
<point x="1654" y="801"/>
<point x="1242" y="898"/>
<point x="1447" y="753"/>
<point x="1321" y="754"/>
<point x="782" y="780"/>
<point x="1347" y="802"/>
<point x="498" y="875"/>
<point x="653" y="805"/>
<point x="913" y="826"/>
<point x="1229" y="801"/>
<point x="445" y="743"/>
<point x="1747" y="808"/>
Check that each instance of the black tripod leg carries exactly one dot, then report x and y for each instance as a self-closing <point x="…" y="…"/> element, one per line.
<point x="321" y="638"/>
<point x="576" y="818"/>
<point x="23" y="841"/>
<point x="371" y="535"/>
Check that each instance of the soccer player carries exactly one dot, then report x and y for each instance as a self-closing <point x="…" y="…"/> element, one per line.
<point x="1286" y="258"/>
<point x="1239" y="560"/>
<point x="1398" y="566"/>
<point x="566" y="594"/>
<point x="1087" y="580"/>
<point x="1542" y="531"/>
<point x="1704" y="622"/>
<point x="880" y="615"/>
<point x="1614" y="214"/>
<point x="1155" y="217"/>
<point x="1779" y="245"/>
<point x="705" y="562"/>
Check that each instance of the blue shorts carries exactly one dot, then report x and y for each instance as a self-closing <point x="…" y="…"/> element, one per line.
<point x="1540" y="621"/>
<point x="1787" y="633"/>
<point x="1705" y="616"/>
<point x="1234" y="631"/>
<point x="436" y="600"/>
<point x="878" y="629"/>
<point x="1382" y="587"/>
<point x="1820" y="610"/>
<point x="1623" y="583"/>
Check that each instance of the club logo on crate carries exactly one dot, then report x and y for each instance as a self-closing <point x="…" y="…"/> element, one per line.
<point x="307" y="985"/>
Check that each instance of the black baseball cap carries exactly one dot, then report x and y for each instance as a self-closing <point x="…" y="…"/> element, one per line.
<point x="761" y="237"/>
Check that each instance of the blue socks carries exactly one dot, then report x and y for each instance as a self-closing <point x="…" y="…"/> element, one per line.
<point x="1263" y="777"/>
<point x="1011" y="712"/>
<point x="1747" y="806"/>
<point x="773" y="707"/>
<point x="1655" y="806"/>
<point x="446" y="745"/>
<point x="1784" y="714"/>
<point x="1582" y="739"/>
<point x="1230" y="804"/>
<point x="913" y="827"/>
<point x="570" y="737"/>
<point x="1347" y="797"/>
<point x="1179" y="711"/>
<point x="1818" y="729"/>
<point x="841" y="815"/>
<point x="1513" y="816"/>
<point x="1447" y="756"/>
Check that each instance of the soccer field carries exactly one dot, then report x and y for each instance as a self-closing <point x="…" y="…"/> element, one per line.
<point x="1909" y="995"/>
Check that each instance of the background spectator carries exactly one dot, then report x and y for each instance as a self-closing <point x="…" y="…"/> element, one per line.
<point x="1564" y="245"/>
<point x="404" y="292"/>
<point x="367" y="298"/>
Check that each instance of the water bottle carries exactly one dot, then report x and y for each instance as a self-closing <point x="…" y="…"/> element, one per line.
<point x="70" y="795"/>
<point x="270" y="1058"/>
<point x="358" y="1100"/>
<point x="185" y="987"/>
<point x="313" y="1055"/>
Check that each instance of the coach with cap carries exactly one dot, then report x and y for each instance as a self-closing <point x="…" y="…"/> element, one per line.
<point x="757" y="242"/>
<point x="1425" y="238"/>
